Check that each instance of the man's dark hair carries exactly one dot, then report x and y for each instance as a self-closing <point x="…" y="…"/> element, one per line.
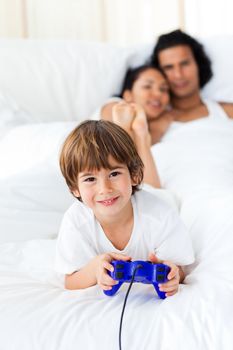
<point x="177" y="37"/>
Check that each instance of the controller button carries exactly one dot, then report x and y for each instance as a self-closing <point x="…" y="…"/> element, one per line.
<point x="160" y="269"/>
<point x="160" y="278"/>
<point x="119" y="266"/>
<point x="119" y="275"/>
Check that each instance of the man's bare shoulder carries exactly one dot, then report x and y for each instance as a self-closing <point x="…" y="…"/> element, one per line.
<point x="228" y="108"/>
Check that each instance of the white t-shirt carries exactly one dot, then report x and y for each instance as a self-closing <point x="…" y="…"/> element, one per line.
<point x="157" y="228"/>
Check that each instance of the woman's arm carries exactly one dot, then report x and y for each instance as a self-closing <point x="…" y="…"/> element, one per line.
<point x="106" y="111"/>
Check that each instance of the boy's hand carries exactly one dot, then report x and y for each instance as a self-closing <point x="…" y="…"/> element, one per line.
<point x="171" y="287"/>
<point x="102" y="265"/>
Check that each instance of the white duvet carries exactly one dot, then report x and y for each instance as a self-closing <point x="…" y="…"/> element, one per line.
<point x="37" y="313"/>
<point x="196" y="158"/>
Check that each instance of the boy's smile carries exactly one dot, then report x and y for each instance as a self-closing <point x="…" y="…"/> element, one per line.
<point x="108" y="202"/>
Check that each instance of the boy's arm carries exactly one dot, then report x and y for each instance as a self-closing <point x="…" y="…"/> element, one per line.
<point x="132" y="118"/>
<point x="95" y="272"/>
<point x="181" y="274"/>
<point x="151" y="176"/>
<point x="83" y="278"/>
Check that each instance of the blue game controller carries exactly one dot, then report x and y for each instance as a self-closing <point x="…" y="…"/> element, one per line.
<point x="146" y="272"/>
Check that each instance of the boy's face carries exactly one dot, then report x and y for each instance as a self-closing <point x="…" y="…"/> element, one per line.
<point x="107" y="192"/>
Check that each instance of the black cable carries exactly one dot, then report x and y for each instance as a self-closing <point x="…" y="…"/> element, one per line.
<point x="126" y="297"/>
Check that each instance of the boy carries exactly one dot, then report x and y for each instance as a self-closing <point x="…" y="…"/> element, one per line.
<point x="113" y="219"/>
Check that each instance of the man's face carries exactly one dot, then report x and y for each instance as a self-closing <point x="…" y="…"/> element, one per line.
<point x="181" y="70"/>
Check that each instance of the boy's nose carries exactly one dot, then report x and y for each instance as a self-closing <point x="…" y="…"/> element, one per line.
<point x="105" y="186"/>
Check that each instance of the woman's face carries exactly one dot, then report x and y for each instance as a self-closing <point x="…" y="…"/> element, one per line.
<point x="151" y="91"/>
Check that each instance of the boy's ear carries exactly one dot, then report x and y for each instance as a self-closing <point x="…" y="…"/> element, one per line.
<point x="134" y="181"/>
<point x="76" y="192"/>
<point x="127" y="96"/>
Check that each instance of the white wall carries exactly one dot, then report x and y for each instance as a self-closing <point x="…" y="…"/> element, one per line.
<point x="208" y="17"/>
<point x="115" y="21"/>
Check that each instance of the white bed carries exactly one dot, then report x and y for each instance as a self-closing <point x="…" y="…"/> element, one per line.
<point x="54" y="85"/>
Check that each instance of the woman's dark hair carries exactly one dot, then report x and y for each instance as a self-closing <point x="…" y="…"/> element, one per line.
<point x="177" y="37"/>
<point x="132" y="75"/>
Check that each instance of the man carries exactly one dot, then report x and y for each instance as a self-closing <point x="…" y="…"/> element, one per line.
<point x="187" y="68"/>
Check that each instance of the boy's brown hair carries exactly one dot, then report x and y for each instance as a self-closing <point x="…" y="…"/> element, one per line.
<point x="89" y="146"/>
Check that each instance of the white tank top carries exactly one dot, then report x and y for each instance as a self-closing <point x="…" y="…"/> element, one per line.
<point x="215" y="111"/>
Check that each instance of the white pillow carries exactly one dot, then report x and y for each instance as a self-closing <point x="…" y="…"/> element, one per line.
<point x="33" y="193"/>
<point x="10" y="114"/>
<point x="70" y="79"/>
<point x="220" y="51"/>
<point x="61" y="79"/>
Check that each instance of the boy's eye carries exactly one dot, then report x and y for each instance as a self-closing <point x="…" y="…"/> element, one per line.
<point x="114" y="173"/>
<point x="89" y="179"/>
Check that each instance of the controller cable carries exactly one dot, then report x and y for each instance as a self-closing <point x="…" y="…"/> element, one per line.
<point x="126" y="297"/>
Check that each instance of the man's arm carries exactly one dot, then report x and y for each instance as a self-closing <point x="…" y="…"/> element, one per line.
<point x="228" y="108"/>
